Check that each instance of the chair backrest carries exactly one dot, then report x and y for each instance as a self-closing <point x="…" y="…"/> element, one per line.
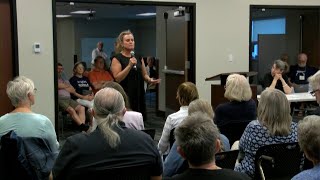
<point x="233" y="130"/>
<point x="139" y="172"/>
<point x="25" y="157"/>
<point x="171" y="137"/>
<point x="10" y="167"/>
<point x="227" y="159"/>
<point x="278" y="161"/>
<point x="151" y="132"/>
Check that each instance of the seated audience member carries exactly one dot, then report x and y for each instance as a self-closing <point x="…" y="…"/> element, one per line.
<point x="25" y="123"/>
<point x="174" y="163"/>
<point x="186" y="93"/>
<point x="82" y="85"/>
<point x="76" y="111"/>
<point x="300" y="73"/>
<point x="198" y="141"/>
<point x="314" y="82"/>
<point x="98" y="76"/>
<point x="99" y="52"/>
<point x="274" y="126"/>
<point x="276" y="79"/>
<point x="132" y="119"/>
<point x="111" y="145"/>
<point x="241" y="106"/>
<point x="309" y="141"/>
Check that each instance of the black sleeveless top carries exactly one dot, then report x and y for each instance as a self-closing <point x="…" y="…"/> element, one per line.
<point x="133" y="83"/>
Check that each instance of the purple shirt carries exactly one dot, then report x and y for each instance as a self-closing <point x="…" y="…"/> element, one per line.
<point x="63" y="92"/>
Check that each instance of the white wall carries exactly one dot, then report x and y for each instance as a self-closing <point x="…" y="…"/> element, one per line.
<point x="34" y="21"/>
<point x="222" y="27"/>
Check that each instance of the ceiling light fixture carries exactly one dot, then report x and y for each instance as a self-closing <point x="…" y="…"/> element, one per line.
<point x="83" y="12"/>
<point x="147" y="14"/>
<point x="62" y="16"/>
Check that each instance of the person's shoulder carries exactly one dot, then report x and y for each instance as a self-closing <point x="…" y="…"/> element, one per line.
<point x="73" y="78"/>
<point x="5" y="116"/>
<point x="254" y="124"/>
<point x="176" y="115"/>
<point x="294" y="67"/>
<point x="307" y="174"/>
<point x="222" y="107"/>
<point x="133" y="114"/>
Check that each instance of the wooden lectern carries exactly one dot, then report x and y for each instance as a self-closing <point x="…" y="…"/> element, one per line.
<point x="217" y="91"/>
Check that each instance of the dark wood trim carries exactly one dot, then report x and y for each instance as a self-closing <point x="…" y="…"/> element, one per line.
<point x="56" y="107"/>
<point x="14" y="37"/>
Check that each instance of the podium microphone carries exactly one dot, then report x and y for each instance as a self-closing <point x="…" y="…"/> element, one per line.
<point x="132" y="55"/>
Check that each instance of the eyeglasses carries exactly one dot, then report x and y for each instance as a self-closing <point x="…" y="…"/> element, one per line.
<point x="313" y="93"/>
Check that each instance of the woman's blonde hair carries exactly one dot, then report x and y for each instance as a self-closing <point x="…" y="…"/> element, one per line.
<point x="314" y="81"/>
<point x="186" y="93"/>
<point x="237" y="88"/>
<point x="119" y="43"/>
<point x="202" y="106"/>
<point x="274" y="112"/>
<point x="108" y="106"/>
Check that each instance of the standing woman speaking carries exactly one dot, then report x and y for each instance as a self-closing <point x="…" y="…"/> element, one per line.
<point x="130" y="72"/>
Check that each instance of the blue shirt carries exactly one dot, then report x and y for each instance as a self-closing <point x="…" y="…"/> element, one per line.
<point x="255" y="136"/>
<point x="29" y="125"/>
<point x="310" y="174"/>
<point x="174" y="161"/>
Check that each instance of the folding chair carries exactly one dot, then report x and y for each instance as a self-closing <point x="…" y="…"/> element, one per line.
<point x="227" y="159"/>
<point x="151" y="132"/>
<point x="278" y="161"/>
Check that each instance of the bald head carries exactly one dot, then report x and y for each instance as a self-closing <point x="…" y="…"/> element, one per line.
<point x="100" y="45"/>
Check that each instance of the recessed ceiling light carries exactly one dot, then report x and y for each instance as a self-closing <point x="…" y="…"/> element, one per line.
<point x="147" y="14"/>
<point x="62" y="16"/>
<point x="83" y="12"/>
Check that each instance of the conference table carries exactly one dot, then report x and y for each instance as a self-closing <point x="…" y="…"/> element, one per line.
<point x="298" y="97"/>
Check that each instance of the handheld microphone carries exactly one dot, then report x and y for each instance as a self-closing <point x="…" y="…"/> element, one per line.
<point x="132" y="55"/>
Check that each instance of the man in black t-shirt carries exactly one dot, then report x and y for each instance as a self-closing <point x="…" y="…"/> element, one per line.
<point x="300" y="73"/>
<point x="198" y="141"/>
<point x="276" y="79"/>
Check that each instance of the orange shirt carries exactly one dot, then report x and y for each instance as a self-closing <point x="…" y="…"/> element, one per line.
<point x="97" y="75"/>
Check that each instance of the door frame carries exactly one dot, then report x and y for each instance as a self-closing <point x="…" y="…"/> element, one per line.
<point x="14" y="42"/>
<point x="191" y="38"/>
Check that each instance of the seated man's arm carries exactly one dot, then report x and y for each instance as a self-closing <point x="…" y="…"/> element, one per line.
<point x="173" y="162"/>
<point x="164" y="143"/>
<point x="62" y="85"/>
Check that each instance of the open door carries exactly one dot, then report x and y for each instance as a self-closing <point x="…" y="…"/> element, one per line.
<point x="8" y="65"/>
<point x="177" y="64"/>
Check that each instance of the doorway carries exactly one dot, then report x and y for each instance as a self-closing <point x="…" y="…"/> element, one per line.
<point x="278" y="30"/>
<point x="8" y="51"/>
<point x="157" y="49"/>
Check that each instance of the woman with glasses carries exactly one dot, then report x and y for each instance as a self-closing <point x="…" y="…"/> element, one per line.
<point x="22" y="120"/>
<point x="37" y="144"/>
